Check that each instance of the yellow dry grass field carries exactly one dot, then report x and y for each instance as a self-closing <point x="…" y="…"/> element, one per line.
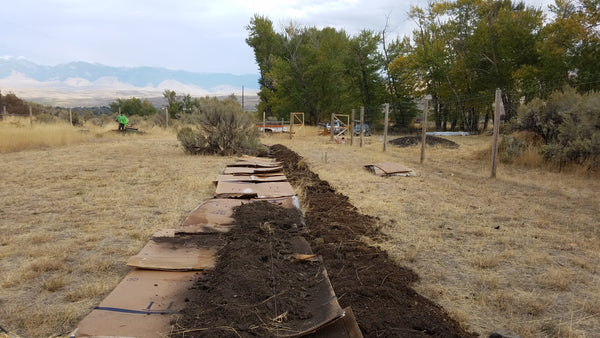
<point x="521" y="252"/>
<point x="71" y="216"/>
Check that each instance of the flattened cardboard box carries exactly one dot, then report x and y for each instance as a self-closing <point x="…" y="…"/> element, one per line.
<point x="324" y="305"/>
<point x="215" y="215"/>
<point x="142" y="305"/>
<point x="255" y="162"/>
<point x="252" y="171"/>
<point x="254" y="190"/>
<point x="345" y="327"/>
<point x="390" y="169"/>
<point x="250" y="178"/>
<point x="173" y="256"/>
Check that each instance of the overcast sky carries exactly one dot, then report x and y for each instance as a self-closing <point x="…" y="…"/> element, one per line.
<point x="193" y="35"/>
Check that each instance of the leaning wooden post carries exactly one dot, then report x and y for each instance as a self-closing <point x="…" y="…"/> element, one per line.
<point x="424" y="129"/>
<point x="362" y="123"/>
<point x="385" y="125"/>
<point x="498" y="111"/>
<point x="70" y="117"/>
<point x="30" y="116"/>
<point x="352" y="124"/>
<point x="331" y="132"/>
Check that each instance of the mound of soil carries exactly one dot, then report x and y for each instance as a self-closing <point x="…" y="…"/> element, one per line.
<point x="237" y="298"/>
<point x="430" y="140"/>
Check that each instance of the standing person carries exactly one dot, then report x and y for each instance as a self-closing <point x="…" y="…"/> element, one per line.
<point x="123" y="120"/>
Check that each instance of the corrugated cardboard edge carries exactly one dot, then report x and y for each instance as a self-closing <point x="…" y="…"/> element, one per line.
<point x="142" y="305"/>
<point x="254" y="190"/>
<point x="168" y="256"/>
<point x="344" y="327"/>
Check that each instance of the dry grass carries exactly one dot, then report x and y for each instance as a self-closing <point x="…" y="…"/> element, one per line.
<point x="17" y="134"/>
<point x="71" y="215"/>
<point x="521" y="252"/>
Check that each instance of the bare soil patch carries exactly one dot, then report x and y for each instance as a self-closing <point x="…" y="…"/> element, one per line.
<point x="430" y="140"/>
<point x="235" y="299"/>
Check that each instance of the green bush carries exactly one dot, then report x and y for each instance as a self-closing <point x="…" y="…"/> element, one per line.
<point x="569" y="124"/>
<point x="511" y="147"/>
<point x="222" y="128"/>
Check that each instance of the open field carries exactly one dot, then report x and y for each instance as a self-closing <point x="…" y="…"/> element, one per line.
<point x="521" y="252"/>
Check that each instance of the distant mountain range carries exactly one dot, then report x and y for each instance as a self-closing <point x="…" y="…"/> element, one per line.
<point x="91" y="84"/>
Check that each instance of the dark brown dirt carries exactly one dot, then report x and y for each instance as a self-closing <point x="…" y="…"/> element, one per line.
<point x="237" y="298"/>
<point x="430" y="140"/>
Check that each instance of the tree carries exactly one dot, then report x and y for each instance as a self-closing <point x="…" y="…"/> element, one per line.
<point x="133" y="106"/>
<point x="266" y="44"/>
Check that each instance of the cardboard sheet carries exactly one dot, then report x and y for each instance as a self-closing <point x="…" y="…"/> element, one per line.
<point x="324" y="305"/>
<point x="345" y="327"/>
<point x="390" y="169"/>
<point x="252" y="171"/>
<point x="254" y="190"/>
<point x="251" y="178"/>
<point x="215" y="215"/>
<point x="255" y="162"/>
<point x="179" y="255"/>
<point x="142" y="305"/>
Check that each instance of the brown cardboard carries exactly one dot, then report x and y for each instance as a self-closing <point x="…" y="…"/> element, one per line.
<point x="215" y="215"/>
<point x="255" y="162"/>
<point x="390" y="169"/>
<point x="252" y="171"/>
<point x="142" y="305"/>
<point x="324" y="305"/>
<point x="251" y="178"/>
<point x="345" y="327"/>
<point x="254" y="190"/>
<point x="174" y="256"/>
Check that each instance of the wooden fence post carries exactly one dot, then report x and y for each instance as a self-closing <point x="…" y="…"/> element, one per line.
<point x="30" y="116"/>
<point x="167" y="117"/>
<point x="265" y="123"/>
<point x="352" y="124"/>
<point x="70" y="117"/>
<point x="331" y="129"/>
<point x="498" y="111"/>
<point x="362" y="121"/>
<point x="424" y="129"/>
<point x="385" y="125"/>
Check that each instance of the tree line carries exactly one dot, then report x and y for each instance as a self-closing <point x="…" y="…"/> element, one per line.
<point x="459" y="54"/>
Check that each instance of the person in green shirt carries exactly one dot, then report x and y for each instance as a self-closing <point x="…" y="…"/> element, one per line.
<point x="123" y="120"/>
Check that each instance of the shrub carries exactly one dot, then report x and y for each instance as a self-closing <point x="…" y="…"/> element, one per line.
<point x="511" y="147"/>
<point x="569" y="124"/>
<point x="222" y="128"/>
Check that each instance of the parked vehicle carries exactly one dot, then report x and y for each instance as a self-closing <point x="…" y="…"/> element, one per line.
<point x="366" y="129"/>
<point x="337" y="126"/>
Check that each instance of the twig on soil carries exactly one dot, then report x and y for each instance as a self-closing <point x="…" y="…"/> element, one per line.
<point x="384" y="278"/>
<point x="226" y="328"/>
<point x="358" y="278"/>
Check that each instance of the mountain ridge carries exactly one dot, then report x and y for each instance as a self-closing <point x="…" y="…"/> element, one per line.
<point x="81" y="83"/>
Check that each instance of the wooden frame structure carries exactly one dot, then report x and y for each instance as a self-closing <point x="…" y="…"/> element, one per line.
<point x="343" y="129"/>
<point x="299" y="117"/>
